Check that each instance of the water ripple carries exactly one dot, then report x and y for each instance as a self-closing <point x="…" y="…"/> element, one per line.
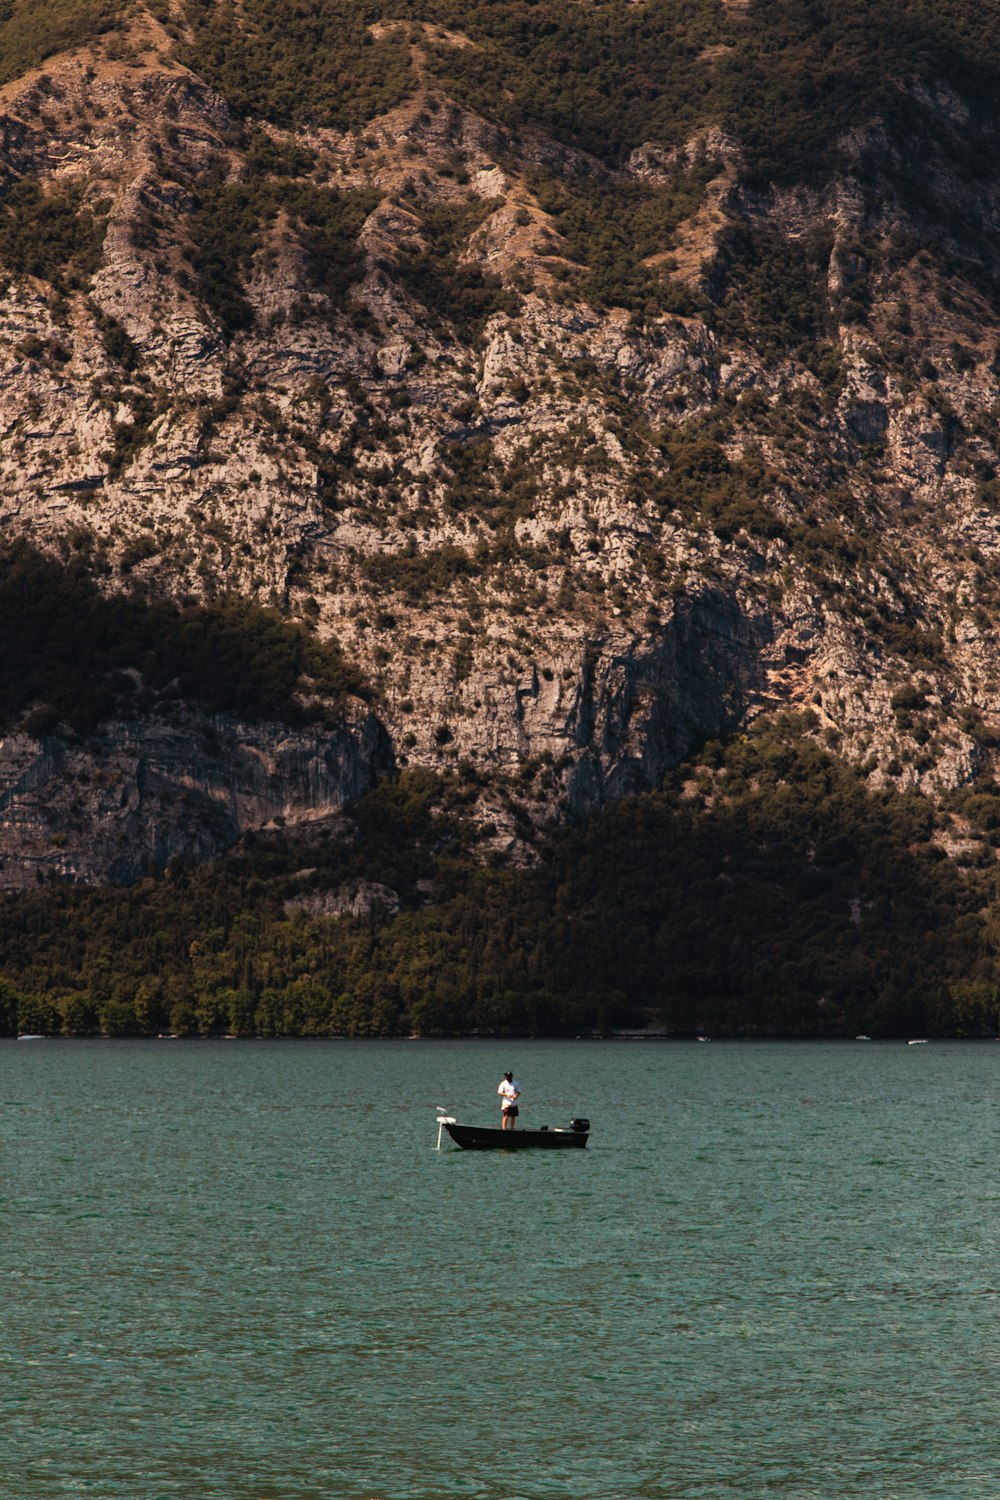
<point x="244" y="1273"/>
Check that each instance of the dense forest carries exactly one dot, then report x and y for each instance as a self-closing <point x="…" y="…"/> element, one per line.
<point x="766" y="890"/>
<point x="790" y="76"/>
<point x="791" y="81"/>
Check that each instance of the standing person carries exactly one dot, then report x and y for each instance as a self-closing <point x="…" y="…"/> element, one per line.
<point x="510" y="1092"/>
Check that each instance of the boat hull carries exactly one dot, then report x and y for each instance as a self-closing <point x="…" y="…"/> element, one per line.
<point x="483" y="1138"/>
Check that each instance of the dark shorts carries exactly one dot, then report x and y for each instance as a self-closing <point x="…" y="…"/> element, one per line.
<point x="510" y="1109"/>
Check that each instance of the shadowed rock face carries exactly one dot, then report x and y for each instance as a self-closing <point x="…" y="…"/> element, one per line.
<point x="126" y="802"/>
<point x="644" y="705"/>
<point x="123" y="804"/>
<point x="549" y="526"/>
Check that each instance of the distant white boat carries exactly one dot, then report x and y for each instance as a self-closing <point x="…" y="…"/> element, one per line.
<point x="862" y="1038"/>
<point x="31" y="1036"/>
<point x="918" y="1041"/>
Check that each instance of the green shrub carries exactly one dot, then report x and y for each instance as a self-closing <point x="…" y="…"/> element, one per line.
<point x="49" y="234"/>
<point x="32" y="30"/>
<point x="464" y="295"/>
<point x="773" y="294"/>
<point x="300" y="61"/>
<point x="228" y="226"/>
<point x="420" y="575"/>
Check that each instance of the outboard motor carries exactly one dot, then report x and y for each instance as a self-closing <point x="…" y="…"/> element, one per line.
<point x="581" y="1125"/>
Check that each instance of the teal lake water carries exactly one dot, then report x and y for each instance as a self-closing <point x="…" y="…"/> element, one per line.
<point x="241" y="1271"/>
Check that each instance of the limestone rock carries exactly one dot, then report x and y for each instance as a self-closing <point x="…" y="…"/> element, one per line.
<point x="556" y="532"/>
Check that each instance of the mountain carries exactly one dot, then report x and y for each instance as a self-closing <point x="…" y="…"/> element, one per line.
<point x="511" y="399"/>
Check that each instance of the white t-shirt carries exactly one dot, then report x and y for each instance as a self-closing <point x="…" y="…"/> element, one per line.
<point x="509" y="1089"/>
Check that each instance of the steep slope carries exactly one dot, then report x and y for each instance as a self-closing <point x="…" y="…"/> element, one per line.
<point x="599" y="381"/>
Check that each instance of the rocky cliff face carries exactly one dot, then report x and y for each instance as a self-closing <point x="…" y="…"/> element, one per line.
<point x="125" y="803"/>
<point x="388" y="381"/>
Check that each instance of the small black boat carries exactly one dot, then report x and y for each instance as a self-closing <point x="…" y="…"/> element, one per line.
<point x="485" y="1138"/>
